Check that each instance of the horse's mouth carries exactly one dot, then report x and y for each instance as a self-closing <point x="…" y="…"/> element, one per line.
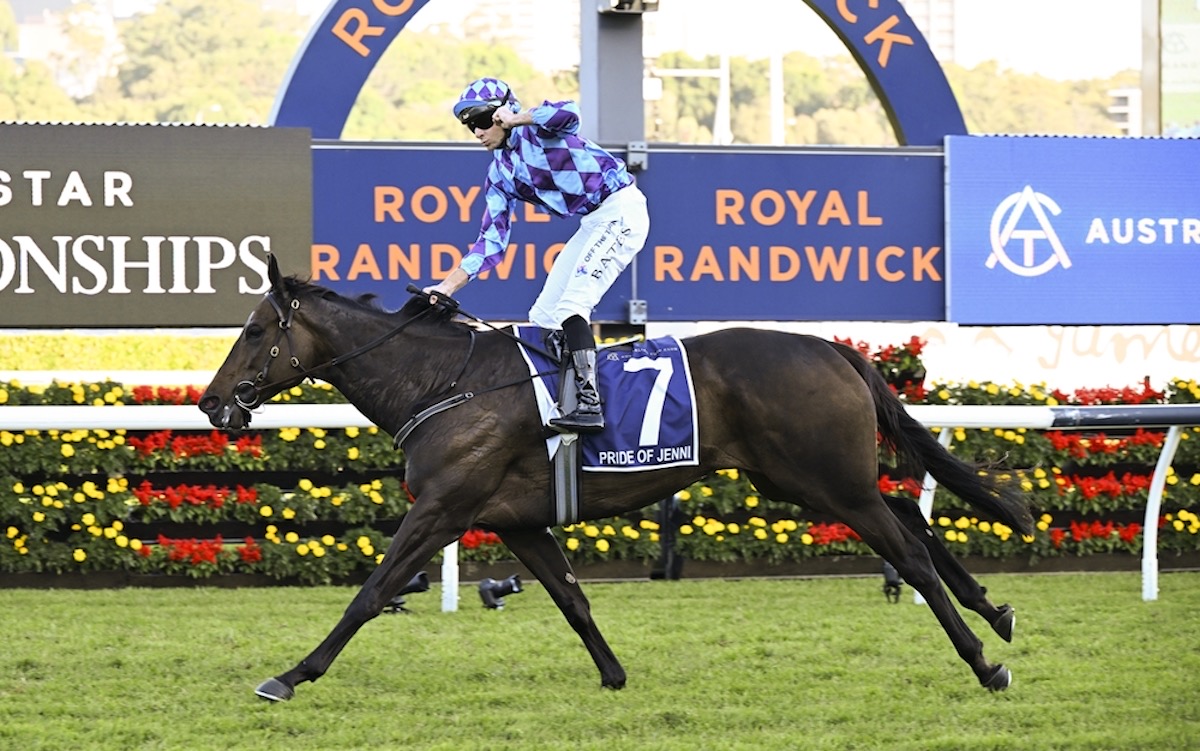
<point x="224" y="415"/>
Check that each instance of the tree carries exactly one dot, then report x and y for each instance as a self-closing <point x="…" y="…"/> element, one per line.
<point x="201" y="61"/>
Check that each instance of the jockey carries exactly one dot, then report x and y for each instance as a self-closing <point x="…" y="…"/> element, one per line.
<point x="539" y="157"/>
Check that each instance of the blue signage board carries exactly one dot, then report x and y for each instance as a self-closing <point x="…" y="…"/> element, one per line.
<point x="1061" y="230"/>
<point x="818" y="234"/>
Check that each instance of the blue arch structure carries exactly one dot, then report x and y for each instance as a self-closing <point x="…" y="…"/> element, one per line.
<point x="342" y="48"/>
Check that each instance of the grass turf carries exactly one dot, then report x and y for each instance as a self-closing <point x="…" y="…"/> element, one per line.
<point x="752" y="664"/>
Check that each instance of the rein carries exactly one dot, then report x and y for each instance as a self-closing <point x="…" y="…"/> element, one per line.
<point x="246" y="393"/>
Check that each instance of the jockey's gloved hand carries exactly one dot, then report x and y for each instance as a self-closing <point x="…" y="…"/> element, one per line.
<point x="434" y="296"/>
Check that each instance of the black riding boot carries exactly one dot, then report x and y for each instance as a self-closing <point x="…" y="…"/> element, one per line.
<point x="587" y="417"/>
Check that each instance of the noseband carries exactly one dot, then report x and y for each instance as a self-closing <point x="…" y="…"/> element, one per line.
<point x="246" y="394"/>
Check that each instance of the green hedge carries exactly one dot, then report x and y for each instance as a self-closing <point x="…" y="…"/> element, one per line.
<point x="319" y="505"/>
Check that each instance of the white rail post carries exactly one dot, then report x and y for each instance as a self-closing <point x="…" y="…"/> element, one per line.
<point x="450" y="578"/>
<point x="1153" y="507"/>
<point x="928" y="486"/>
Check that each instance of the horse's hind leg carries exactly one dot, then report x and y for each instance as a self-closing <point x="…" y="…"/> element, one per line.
<point x="880" y="529"/>
<point x="540" y="552"/>
<point x="964" y="586"/>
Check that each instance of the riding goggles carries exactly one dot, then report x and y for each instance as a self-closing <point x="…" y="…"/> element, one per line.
<point x="480" y="116"/>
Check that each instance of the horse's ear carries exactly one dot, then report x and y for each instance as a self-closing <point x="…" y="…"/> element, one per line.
<point x="273" y="273"/>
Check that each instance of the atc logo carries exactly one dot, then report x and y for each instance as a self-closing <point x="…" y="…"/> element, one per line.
<point x="1039" y="250"/>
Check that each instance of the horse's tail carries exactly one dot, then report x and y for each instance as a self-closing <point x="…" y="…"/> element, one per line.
<point x="912" y="442"/>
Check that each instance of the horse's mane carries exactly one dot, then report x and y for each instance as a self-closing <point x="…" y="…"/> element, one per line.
<point x="369" y="302"/>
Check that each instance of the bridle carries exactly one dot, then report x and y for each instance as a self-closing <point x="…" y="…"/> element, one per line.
<point x="247" y="392"/>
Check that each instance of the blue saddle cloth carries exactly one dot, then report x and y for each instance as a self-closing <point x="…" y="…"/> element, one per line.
<point x="648" y="398"/>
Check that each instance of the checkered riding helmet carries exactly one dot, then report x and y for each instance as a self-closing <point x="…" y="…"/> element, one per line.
<point x="484" y="94"/>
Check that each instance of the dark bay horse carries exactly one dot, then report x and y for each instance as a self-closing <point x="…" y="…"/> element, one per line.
<point x="797" y="413"/>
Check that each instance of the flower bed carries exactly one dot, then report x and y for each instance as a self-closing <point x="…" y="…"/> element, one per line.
<point x="319" y="505"/>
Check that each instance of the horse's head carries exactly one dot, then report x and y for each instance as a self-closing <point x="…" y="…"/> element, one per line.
<point x="265" y="360"/>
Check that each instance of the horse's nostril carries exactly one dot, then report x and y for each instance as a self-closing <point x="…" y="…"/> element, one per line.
<point x="208" y="404"/>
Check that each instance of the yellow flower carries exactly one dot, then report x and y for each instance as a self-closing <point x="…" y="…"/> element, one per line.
<point x="352" y="432"/>
<point x="88" y="519"/>
<point x="291" y="537"/>
<point x="135" y="544"/>
<point x="572" y="543"/>
<point x="305" y="484"/>
<point x="781" y="538"/>
<point x="943" y="521"/>
<point x="806" y="539"/>
<point x="319" y="444"/>
<point x="591" y="530"/>
<point x="352" y="453"/>
<point x="68" y="450"/>
<point x="39" y="517"/>
<point x="288" y="513"/>
<point x="683" y="495"/>
<point x="363" y="542"/>
<point x="760" y="534"/>
<point x="751" y="501"/>
<point x="79" y="555"/>
<point x="265" y="510"/>
<point x="328" y="540"/>
<point x="602" y="546"/>
<point x="302" y="549"/>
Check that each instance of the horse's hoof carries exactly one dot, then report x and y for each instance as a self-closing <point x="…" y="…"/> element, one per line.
<point x="1005" y="623"/>
<point x="274" y="689"/>
<point x="1000" y="679"/>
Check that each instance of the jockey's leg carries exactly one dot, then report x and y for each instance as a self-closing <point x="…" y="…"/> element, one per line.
<point x="587" y="417"/>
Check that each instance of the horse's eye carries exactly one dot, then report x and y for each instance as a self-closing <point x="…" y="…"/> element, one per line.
<point x="254" y="332"/>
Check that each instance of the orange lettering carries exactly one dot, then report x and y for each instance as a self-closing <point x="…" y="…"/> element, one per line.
<point x="392" y="10"/>
<point x="729" y="207"/>
<point x="782" y="255"/>
<point x="864" y="211"/>
<point x="756" y="207"/>
<point x="825" y="262"/>
<point x="667" y="260"/>
<point x="388" y="200"/>
<point x="444" y="258"/>
<point x="739" y="261"/>
<point x="881" y="266"/>
<point x="882" y="33"/>
<point x="439" y="204"/>
<point x="463" y="201"/>
<point x="398" y="261"/>
<point x="364" y="263"/>
<point x="801" y="204"/>
<point x="362" y="28"/>
<point x="706" y="265"/>
<point x="923" y="264"/>
<point x="551" y="254"/>
<point x="323" y="262"/>
<point x="834" y="208"/>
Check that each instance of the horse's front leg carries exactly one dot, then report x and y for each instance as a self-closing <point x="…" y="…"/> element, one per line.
<point x="422" y="533"/>
<point x="964" y="586"/>
<point x="540" y="552"/>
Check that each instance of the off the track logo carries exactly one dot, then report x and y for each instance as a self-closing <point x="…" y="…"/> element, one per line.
<point x="1040" y="250"/>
